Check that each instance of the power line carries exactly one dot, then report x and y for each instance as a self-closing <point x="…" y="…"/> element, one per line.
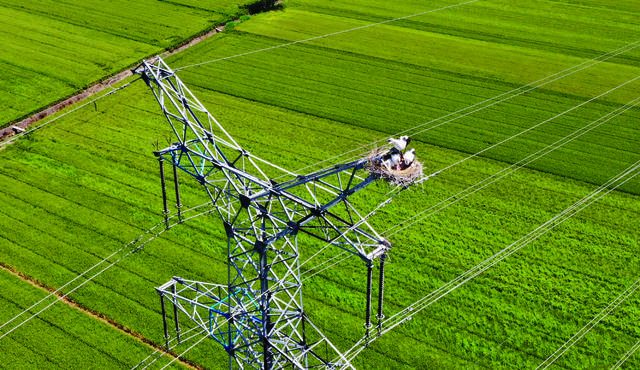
<point x="18" y="136"/>
<point x="626" y="356"/>
<point x="538" y="232"/>
<point x="507" y="171"/>
<point x="519" y="91"/>
<point x="88" y="279"/>
<point x="326" y="35"/>
<point x="589" y="326"/>
<point x="538" y="125"/>
<point x="424" y="302"/>
<point x="400" y="226"/>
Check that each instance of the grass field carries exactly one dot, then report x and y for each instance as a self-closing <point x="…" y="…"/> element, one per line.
<point x="53" y="49"/>
<point x="79" y="189"/>
<point x="62" y="337"/>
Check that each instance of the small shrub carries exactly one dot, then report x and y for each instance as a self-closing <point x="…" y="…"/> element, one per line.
<point x="261" y="6"/>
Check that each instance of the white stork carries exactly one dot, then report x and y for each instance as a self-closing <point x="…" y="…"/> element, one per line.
<point x="393" y="162"/>
<point x="401" y="143"/>
<point x="409" y="157"/>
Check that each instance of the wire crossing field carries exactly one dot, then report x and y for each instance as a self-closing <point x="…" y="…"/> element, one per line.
<point x="62" y="336"/>
<point x="52" y="49"/>
<point x="82" y="187"/>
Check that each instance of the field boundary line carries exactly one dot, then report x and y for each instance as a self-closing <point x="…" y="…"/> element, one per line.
<point x="99" y="316"/>
<point x="16" y="128"/>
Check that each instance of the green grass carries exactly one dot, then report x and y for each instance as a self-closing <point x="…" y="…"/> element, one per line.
<point x="53" y="49"/>
<point x="61" y="337"/>
<point x="80" y="188"/>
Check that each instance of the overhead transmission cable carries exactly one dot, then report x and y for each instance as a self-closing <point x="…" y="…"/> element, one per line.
<point x="589" y="326"/>
<point x="139" y="243"/>
<point x="493" y="101"/>
<point x="402" y="225"/>
<point x="399" y="226"/>
<point x="626" y="356"/>
<point x="537" y="125"/>
<point x="325" y="35"/>
<point x="424" y="302"/>
<point x="18" y="136"/>
<point x="455" y="198"/>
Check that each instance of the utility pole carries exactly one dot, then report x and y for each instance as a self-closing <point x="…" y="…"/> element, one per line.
<point x="258" y="315"/>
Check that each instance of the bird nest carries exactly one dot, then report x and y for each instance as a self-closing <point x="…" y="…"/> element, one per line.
<point x="405" y="177"/>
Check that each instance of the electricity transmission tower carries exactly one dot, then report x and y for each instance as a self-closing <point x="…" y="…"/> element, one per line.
<point x="258" y="316"/>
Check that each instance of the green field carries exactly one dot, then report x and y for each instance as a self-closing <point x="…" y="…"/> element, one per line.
<point x="79" y="189"/>
<point x="61" y="336"/>
<point x="53" y="49"/>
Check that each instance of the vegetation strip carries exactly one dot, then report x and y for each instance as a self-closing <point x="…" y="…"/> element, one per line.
<point x="68" y="301"/>
<point x="302" y="104"/>
<point x="19" y="127"/>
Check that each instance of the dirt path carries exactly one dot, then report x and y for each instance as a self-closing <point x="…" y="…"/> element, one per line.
<point x="97" y="315"/>
<point x="23" y="125"/>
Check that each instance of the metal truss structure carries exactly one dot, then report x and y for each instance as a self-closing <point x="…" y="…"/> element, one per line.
<point x="258" y="316"/>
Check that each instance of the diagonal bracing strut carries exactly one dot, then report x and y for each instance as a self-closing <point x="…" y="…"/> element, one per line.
<point x="258" y="315"/>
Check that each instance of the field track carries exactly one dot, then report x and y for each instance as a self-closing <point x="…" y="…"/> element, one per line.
<point x="54" y="50"/>
<point x="86" y="185"/>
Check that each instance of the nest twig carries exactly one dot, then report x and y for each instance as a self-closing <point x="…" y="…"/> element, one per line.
<point x="404" y="178"/>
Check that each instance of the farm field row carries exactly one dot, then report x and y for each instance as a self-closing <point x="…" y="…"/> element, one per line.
<point x="81" y="188"/>
<point x="392" y="91"/>
<point x="87" y="196"/>
<point x="53" y="49"/>
<point x="61" y="336"/>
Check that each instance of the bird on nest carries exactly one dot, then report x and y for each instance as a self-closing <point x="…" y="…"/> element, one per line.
<point x="395" y="158"/>
<point x="401" y="143"/>
<point x="408" y="159"/>
<point x="393" y="161"/>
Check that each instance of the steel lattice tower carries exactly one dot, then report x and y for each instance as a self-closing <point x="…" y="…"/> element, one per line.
<point x="258" y="316"/>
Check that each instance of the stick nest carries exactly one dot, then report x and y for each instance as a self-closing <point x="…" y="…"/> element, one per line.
<point x="404" y="178"/>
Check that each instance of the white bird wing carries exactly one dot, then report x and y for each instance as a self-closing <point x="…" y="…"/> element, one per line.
<point x="409" y="157"/>
<point x="398" y="144"/>
<point x="395" y="159"/>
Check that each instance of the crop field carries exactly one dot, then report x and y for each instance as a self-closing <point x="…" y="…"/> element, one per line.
<point x="52" y="49"/>
<point x="81" y="188"/>
<point x="62" y="336"/>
